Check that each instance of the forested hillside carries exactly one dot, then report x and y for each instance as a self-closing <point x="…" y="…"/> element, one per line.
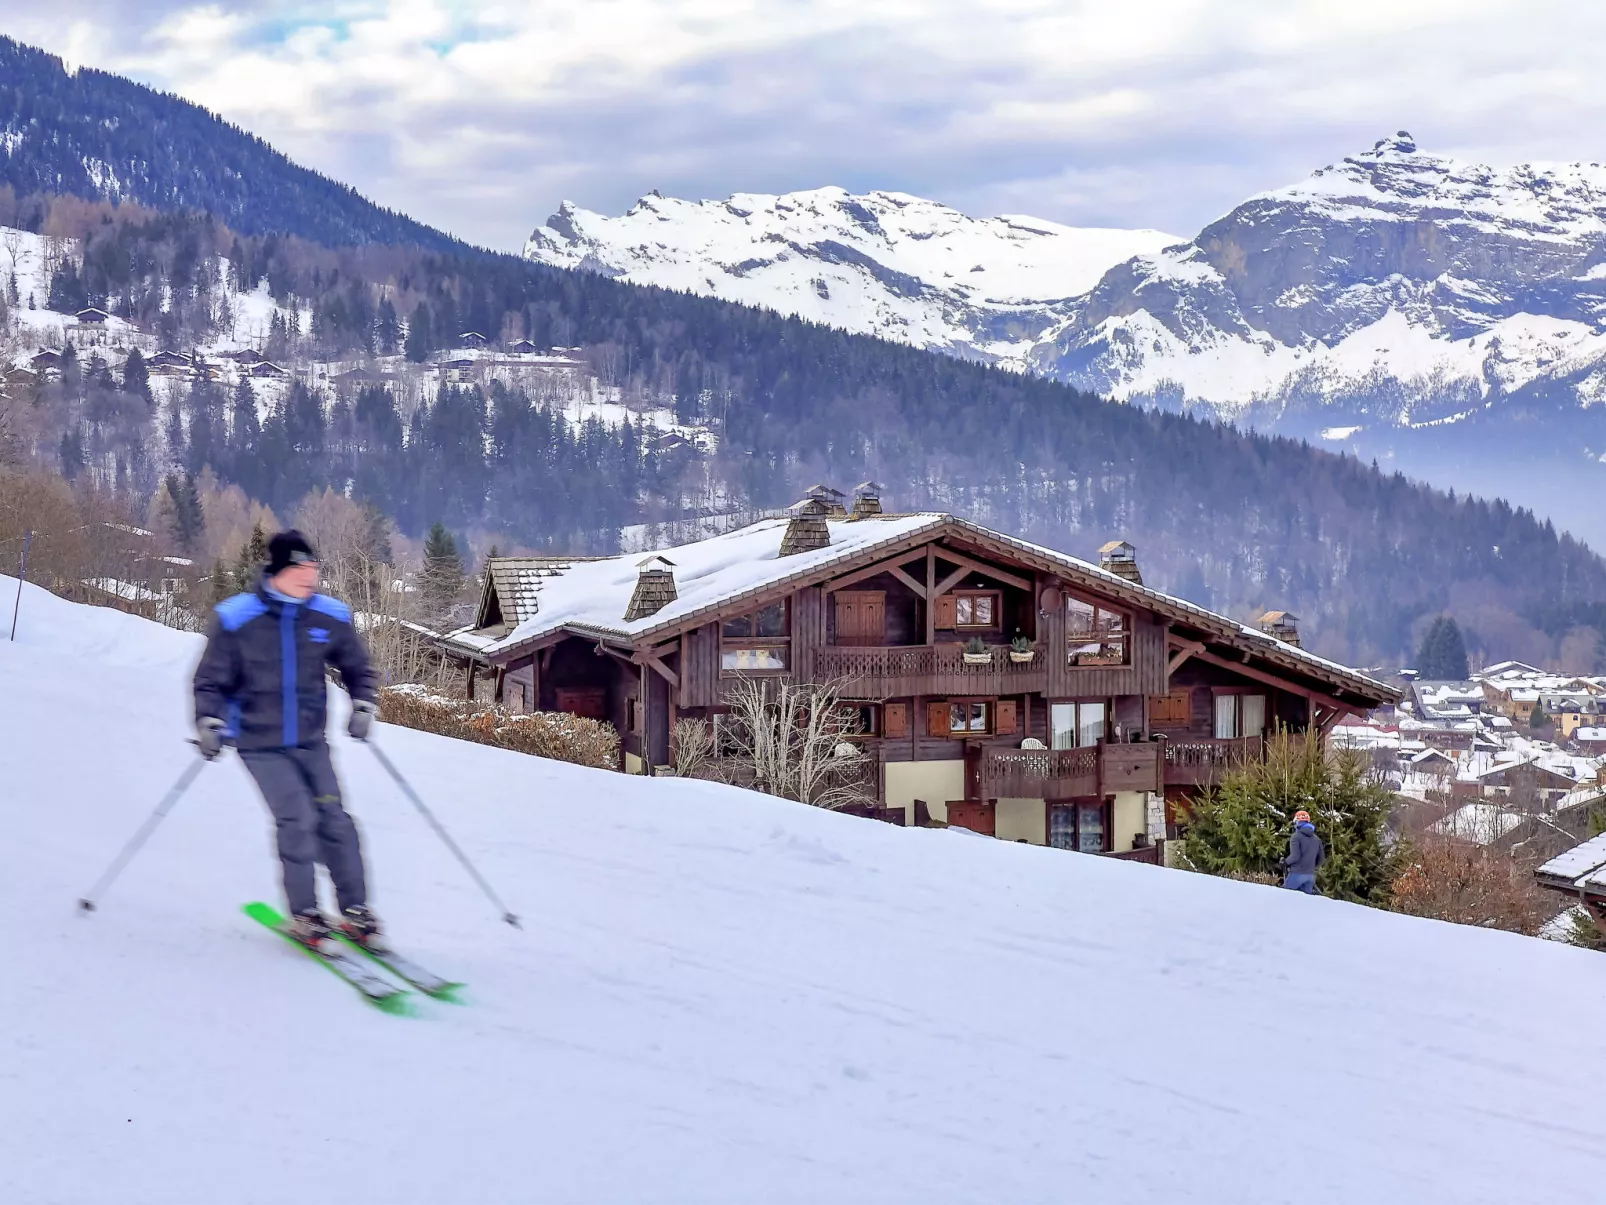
<point x="1238" y="522"/>
<point x="91" y="134"/>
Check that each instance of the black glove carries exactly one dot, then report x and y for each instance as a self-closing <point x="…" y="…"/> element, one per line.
<point x="209" y="736"/>
<point x="362" y="719"/>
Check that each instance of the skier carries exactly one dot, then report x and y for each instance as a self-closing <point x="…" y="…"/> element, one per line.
<point x="261" y="683"/>
<point x="1305" y="854"/>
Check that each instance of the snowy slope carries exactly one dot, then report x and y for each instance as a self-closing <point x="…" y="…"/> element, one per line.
<point x="885" y="263"/>
<point x="718" y="997"/>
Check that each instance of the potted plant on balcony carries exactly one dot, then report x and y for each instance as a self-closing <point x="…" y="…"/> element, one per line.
<point x="976" y="652"/>
<point x="1021" y="650"/>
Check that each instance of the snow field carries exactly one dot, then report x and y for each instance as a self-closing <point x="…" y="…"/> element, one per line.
<point x="717" y="997"/>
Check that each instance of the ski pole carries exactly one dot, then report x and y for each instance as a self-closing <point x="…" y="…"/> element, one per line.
<point x="87" y="903"/>
<point x="443" y="834"/>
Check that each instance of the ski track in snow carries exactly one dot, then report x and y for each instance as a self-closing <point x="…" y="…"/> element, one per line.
<point x="717" y="997"/>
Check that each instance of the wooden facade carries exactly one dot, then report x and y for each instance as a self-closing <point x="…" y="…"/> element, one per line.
<point x="995" y="672"/>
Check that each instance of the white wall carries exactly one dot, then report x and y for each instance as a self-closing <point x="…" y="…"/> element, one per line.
<point x="934" y="781"/>
<point x="1022" y="819"/>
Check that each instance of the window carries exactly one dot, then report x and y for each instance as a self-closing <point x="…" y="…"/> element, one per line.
<point x="1239" y="715"/>
<point x="756" y="642"/>
<point x="861" y="719"/>
<point x="1094" y="635"/>
<point x="1072" y="725"/>
<point x="1078" y="826"/>
<point x="969" y="717"/>
<point x="977" y="609"/>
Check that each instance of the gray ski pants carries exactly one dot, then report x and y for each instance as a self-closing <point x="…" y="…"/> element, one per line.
<point x="303" y="794"/>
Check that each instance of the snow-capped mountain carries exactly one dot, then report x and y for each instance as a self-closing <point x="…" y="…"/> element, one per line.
<point x="1396" y="286"/>
<point x="1443" y="316"/>
<point x="884" y="263"/>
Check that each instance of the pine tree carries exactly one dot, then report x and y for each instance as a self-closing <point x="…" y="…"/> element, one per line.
<point x="187" y="518"/>
<point x="387" y="327"/>
<point x="1242" y="825"/>
<point x="442" y="576"/>
<point x="1443" y="655"/>
<point x="420" y="337"/>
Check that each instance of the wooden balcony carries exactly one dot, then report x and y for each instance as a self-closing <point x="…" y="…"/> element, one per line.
<point x="1092" y="771"/>
<point x="923" y="669"/>
<point x="1199" y="762"/>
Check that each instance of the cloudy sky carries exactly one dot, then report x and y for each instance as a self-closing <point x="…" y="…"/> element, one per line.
<point x="480" y="117"/>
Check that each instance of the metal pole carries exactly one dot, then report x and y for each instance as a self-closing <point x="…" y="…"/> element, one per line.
<point x="22" y="576"/>
<point x="87" y="903"/>
<point x="443" y="834"/>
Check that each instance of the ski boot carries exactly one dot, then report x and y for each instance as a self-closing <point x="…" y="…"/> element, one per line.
<point x="361" y="927"/>
<point x="311" y="930"/>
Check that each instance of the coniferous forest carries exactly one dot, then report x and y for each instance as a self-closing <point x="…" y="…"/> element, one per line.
<point x="1234" y="521"/>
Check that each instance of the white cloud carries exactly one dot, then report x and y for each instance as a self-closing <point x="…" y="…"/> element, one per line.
<point x="481" y="117"/>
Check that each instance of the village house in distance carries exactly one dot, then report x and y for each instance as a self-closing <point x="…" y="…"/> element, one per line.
<point x="1002" y="686"/>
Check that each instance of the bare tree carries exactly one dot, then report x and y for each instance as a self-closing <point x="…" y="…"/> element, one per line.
<point x="691" y="748"/>
<point x="793" y="739"/>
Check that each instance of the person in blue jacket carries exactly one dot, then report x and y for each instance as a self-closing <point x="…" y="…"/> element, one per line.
<point x="1305" y="854"/>
<point x="261" y="684"/>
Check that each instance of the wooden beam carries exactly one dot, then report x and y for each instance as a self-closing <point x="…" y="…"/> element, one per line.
<point x="1187" y="649"/>
<point x="931" y="595"/>
<point x="887" y="565"/>
<point x="1003" y="575"/>
<point x="897" y="572"/>
<point x="952" y="580"/>
<point x="1314" y="696"/>
<point x="645" y="657"/>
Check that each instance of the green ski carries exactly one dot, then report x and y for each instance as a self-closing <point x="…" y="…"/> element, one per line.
<point x="427" y="982"/>
<point x="376" y="989"/>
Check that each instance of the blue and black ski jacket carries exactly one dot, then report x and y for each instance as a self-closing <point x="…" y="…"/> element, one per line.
<point x="263" y="669"/>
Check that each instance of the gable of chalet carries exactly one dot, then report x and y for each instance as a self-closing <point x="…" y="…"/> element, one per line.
<point x="533" y="602"/>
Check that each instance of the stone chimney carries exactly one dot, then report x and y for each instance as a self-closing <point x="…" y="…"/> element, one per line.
<point x="1283" y="625"/>
<point x="866" y="499"/>
<point x="655" y="588"/>
<point x="1120" y="558"/>
<point x="835" y="500"/>
<point x="808" y="529"/>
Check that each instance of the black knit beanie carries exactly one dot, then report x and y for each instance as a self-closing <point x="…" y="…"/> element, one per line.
<point x="289" y="548"/>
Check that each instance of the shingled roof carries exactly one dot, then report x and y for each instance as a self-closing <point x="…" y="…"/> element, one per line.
<point x="588" y="597"/>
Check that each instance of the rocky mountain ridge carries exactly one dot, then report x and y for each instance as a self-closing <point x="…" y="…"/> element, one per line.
<point x="885" y="263"/>
<point x="1444" y="317"/>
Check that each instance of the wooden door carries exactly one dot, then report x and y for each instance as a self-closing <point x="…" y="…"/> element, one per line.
<point x="861" y="617"/>
<point x="592" y="704"/>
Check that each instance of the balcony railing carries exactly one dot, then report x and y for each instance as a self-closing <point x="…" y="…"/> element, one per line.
<point x="1092" y="771"/>
<point x="1199" y="762"/>
<point x="923" y="669"/>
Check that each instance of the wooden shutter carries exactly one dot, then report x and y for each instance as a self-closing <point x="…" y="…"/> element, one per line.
<point x="1171" y="711"/>
<point x="895" y="719"/>
<point x="1005" y="713"/>
<point x="861" y="617"/>
<point x="947" y="612"/>
<point x="937" y="719"/>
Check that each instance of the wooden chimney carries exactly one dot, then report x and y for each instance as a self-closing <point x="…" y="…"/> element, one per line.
<point x="655" y="588"/>
<point x="1120" y="558"/>
<point x="1284" y="625"/>
<point x="808" y="529"/>
<point x="866" y="499"/>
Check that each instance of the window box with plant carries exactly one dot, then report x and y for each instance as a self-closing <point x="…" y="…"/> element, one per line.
<point x="1021" y="651"/>
<point x="976" y="652"/>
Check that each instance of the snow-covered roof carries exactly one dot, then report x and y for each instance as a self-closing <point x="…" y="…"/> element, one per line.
<point x="1480" y="823"/>
<point x="591" y="596"/>
<point x="1582" y="867"/>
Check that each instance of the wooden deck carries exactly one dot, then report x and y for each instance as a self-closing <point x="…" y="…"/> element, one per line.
<point x="1197" y="761"/>
<point x="923" y="669"/>
<point x="1092" y="771"/>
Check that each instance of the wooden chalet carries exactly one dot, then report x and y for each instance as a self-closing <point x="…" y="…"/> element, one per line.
<point x="1000" y="685"/>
